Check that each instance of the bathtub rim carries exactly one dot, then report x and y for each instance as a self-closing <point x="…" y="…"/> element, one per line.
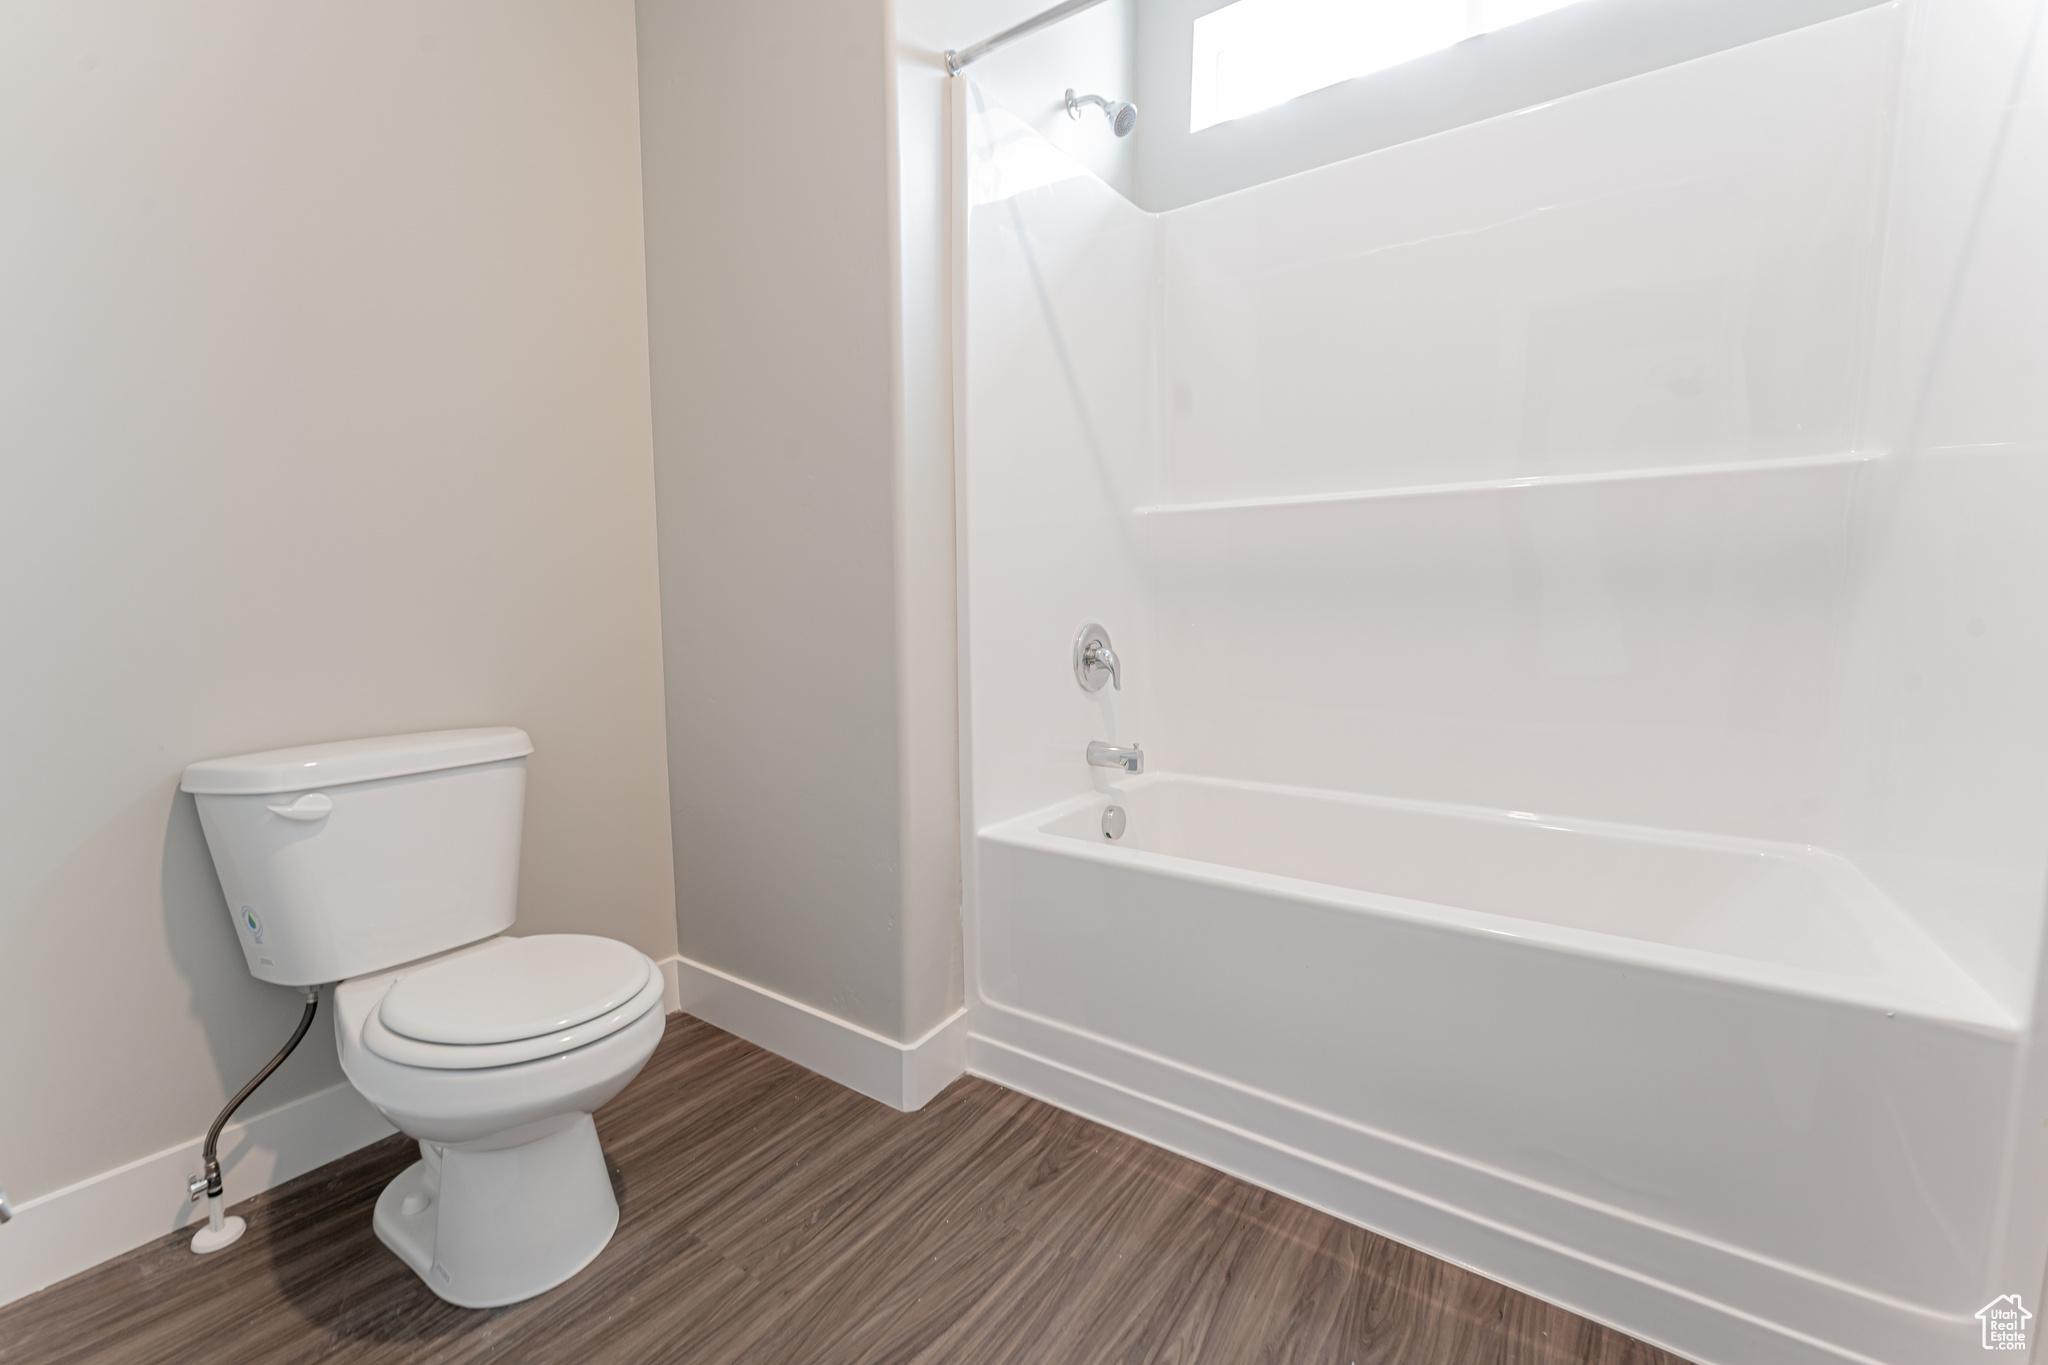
<point x="1959" y="1002"/>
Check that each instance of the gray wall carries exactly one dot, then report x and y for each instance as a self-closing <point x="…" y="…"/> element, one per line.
<point x="1576" y="48"/>
<point x="323" y="413"/>
<point x="806" y="596"/>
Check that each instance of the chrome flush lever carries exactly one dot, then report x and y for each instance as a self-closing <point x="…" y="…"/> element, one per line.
<point x="1094" y="660"/>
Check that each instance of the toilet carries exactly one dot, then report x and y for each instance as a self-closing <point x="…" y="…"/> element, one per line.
<point x="391" y="868"/>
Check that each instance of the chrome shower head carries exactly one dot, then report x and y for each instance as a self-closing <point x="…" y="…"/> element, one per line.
<point x="1122" y="117"/>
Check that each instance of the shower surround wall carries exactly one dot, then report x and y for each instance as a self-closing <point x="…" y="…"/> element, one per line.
<point x="1581" y="597"/>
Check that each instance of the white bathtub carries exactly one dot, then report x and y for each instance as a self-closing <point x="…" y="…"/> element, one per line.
<point x="1686" y="1061"/>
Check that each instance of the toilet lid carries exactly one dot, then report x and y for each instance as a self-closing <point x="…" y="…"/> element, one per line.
<point x="514" y="988"/>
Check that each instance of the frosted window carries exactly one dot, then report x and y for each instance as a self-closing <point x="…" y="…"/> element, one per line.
<point x="1255" y="54"/>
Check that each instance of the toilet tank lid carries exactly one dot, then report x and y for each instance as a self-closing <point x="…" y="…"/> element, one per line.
<point x="353" y="760"/>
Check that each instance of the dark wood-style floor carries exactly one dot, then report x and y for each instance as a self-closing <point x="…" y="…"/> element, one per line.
<point x="771" y="1216"/>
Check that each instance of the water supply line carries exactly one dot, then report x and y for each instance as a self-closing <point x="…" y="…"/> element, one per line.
<point x="221" y="1231"/>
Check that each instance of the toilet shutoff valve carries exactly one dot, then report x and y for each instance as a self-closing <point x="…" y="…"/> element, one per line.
<point x="196" y="1188"/>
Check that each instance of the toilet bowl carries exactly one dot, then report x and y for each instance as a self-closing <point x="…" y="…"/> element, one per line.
<point x="390" y="866"/>
<point x="510" y="1196"/>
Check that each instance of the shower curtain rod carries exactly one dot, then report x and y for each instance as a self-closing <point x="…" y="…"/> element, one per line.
<point x="956" y="60"/>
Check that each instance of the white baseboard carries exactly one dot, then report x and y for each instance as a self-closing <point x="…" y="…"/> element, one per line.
<point x="903" y="1075"/>
<point x="1693" y="1299"/>
<point x="56" y="1235"/>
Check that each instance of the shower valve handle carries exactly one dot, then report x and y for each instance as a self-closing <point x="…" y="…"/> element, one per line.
<point x="1095" y="661"/>
<point x="1102" y="656"/>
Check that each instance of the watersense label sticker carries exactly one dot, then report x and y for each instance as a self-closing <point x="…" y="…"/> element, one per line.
<point x="2005" y="1321"/>
<point x="253" y="923"/>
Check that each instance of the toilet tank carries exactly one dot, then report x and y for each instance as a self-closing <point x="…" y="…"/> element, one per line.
<point x="342" y="859"/>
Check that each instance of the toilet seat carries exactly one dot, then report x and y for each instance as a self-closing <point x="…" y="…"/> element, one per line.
<point x="514" y="988"/>
<point x="512" y="1001"/>
<point x="439" y="1101"/>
